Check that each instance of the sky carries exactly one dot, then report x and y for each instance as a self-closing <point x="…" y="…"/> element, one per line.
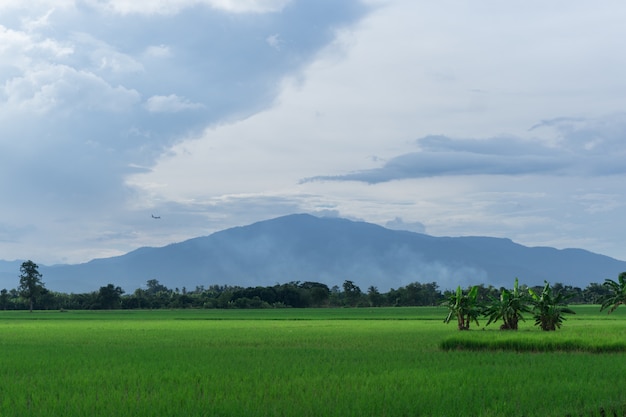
<point x="451" y="118"/>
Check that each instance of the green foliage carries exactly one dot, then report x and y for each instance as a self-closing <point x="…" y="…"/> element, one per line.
<point x="415" y="294"/>
<point x="616" y="295"/>
<point x="4" y="299"/>
<point x="154" y="287"/>
<point x="506" y="305"/>
<point x="464" y="307"/>
<point x="109" y="297"/>
<point x="549" y="307"/>
<point x="31" y="285"/>
<point x="594" y="293"/>
<point x="352" y="292"/>
<point x="509" y="308"/>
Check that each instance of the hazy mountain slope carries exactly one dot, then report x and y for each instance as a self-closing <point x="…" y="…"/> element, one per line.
<point x="330" y="250"/>
<point x="9" y="274"/>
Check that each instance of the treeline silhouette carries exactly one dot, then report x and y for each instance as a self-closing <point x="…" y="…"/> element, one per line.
<point x="293" y="294"/>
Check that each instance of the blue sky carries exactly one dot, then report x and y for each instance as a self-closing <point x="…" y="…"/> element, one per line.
<point x="451" y="118"/>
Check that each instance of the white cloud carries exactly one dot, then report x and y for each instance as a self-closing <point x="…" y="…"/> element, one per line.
<point x="600" y="203"/>
<point x="146" y="6"/>
<point x="399" y="224"/>
<point x="61" y="88"/>
<point x="256" y="6"/>
<point x="30" y="23"/>
<point x="158" y="51"/>
<point x="12" y="46"/>
<point x="55" y="49"/>
<point x="21" y="50"/>
<point x="104" y="56"/>
<point x="36" y="6"/>
<point x="174" y="6"/>
<point x="274" y="41"/>
<point x="170" y="104"/>
<point x="116" y="62"/>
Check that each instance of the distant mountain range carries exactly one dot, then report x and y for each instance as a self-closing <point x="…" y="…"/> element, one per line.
<point x="302" y="247"/>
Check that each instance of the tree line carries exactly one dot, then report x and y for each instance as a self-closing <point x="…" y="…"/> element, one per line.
<point x="32" y="294"/>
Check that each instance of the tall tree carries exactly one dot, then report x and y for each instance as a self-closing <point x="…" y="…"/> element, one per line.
<point x="110" y="297"/>
<point x="31" y="285"/>
<point x="374" y="296"/>
<point x="155" y="287"/>
<point x="352" y="292"/>
<point x="616" y="293"/>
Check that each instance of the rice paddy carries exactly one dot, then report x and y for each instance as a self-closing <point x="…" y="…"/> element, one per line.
<point x="313" y="362"/>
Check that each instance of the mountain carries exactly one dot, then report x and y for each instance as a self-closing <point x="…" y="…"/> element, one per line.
<point x="302" y="247"/>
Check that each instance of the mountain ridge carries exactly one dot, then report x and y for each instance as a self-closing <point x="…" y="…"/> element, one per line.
<point x="302" y="247"/>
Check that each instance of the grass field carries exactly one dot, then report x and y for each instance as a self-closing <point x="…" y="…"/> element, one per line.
<point x="289" y="362"/>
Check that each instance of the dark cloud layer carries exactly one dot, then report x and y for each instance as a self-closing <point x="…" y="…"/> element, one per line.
<point x="581" y="147"/>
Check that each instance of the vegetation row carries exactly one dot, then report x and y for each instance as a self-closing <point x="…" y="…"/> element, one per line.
<point x="547" y="304"/>
<point x="532" y="345"/>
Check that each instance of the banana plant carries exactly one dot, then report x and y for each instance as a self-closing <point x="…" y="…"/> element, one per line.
<point x="509" y="307"/>
<point x="464" y="307"/>
<point x="548" y="308"/>
<point x="617" y="294"/>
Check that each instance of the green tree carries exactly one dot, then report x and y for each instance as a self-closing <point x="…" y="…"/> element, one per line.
<point x="4" y="299"/>
<point x="31" y="285"/>
<point x="417" y="294"/>
<point x="616" y="293"/>
<point x="155" y="287"/>
<point x="594" y="293"/>
<point x="509" y="307"/>
<point x="374" y="296"/>
<point x="464" y="307"/>
<point x="548" y="308"/>
<point x="335" y="297"/>
<point x="291" y="294"/>
<point x="109" y="297"/>
<point x="352" y="291"/>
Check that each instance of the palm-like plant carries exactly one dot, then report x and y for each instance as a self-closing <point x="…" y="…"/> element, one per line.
<point x="617" y="293"/>
<point x="548" y="308"/>
<point x="509" y="307"/>
<point x="464" y="307"/>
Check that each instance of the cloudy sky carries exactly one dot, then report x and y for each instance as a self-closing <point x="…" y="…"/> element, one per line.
<point x="452" y="118"/>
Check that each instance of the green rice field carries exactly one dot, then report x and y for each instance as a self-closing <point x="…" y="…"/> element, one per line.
<point x="307" y="362"/>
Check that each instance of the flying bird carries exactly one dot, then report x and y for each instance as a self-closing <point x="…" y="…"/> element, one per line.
<point x="155" y="217"/>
